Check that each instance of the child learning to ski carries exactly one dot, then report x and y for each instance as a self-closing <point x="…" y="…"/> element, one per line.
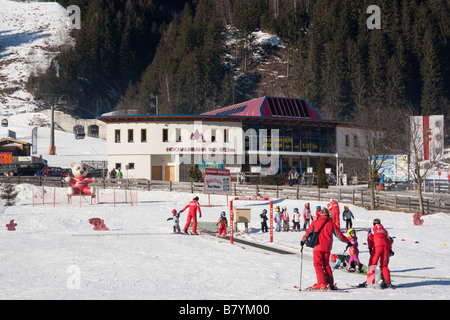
<point x="317" y="213"/>
<point x="353" y="262"/>
<point x="277" y="218"/>
<point x="222" y="222"/>
<point x="306" y="216"/>
<point x="347" y="215"/>
<point x="285" y="218"/>
<point x="380" y="245"/>
<point x="264" y="219"/>
<point x="296" y="220"/>
<point x="176" y="219"/>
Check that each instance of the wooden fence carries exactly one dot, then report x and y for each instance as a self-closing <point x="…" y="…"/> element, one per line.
<point x="401" y="201"/>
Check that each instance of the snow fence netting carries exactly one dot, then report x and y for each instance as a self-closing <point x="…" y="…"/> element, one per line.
<point x="52" y="196"/>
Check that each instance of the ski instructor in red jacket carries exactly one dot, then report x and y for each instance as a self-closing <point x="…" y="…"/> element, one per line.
<point x="193" y="206"/>
<point x="322" y="249"/>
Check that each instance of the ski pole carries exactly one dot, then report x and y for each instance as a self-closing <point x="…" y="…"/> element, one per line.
<point x="301" y="268"/>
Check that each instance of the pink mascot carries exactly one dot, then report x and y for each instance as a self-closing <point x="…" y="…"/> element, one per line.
<point x="79" y="182"/>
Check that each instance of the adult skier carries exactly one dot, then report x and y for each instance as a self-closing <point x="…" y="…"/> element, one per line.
<point x="322" y="250"/>
<point x="193" y="206"/>
<point x="379" y="245"/>
<point x="335" y="212"/>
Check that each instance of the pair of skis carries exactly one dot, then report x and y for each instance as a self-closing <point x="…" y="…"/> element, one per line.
<point x="311" y="289"/>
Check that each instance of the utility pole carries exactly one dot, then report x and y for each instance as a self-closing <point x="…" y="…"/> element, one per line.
<point x="54" y="99"/>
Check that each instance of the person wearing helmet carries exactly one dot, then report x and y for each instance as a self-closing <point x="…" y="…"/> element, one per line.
<point x="176" y="219"/>
<point x="193" y="206"/>
<point x="264" y="219"/>
<point x="222" y="225"/>
<point x="318" y="209"/>
<point x="296" y="220"/>
<point x="285" y="218"/>
<point x="277" y="218"/>
<point x="306" y="216"/>
<point x="353" y="262"/>
<point x="347" y="215"/>
<point x="380" y="245"/>
<point x="322" y="250"/>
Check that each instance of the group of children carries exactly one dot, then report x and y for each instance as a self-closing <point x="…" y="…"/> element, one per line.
<point x="282" y="224"/>
<point x="282" y="218"/>
<point x="222" y="223"/>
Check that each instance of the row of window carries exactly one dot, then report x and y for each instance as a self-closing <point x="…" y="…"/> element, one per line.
<point x="355" y="141"/>
<point x="129" y="166"/>
<point x="165" y="135"/>
<point x="291" y="137"/>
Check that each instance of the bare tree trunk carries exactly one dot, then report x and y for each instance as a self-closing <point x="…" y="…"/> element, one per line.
<point x="419" y="192"/>
<point x="372" y="194"/>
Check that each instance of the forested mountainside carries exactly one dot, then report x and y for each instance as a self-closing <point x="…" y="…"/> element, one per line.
<point x="195" y="56"/>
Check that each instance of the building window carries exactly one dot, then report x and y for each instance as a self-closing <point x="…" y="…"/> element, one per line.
<point x="165" y="135"/>
<point x="347" y="140"/>
<point x="355" y="141"/>
<point x="178" y="133"/>
<point x="213" y="135"/>
<point x="226" y="137"/>
<point x="117" y="135"/>
<point x="131" y="166"/>
<point x="118" y="166"/>
<point x="143" y="135"/>
<point x="130" y="135"/>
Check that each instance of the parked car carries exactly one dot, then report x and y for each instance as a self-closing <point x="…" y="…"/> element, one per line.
<point x="389" y="184"/>
<point x="31" y="169"/>
<point x="51" y="172"/>
<point x="9" y="169"/>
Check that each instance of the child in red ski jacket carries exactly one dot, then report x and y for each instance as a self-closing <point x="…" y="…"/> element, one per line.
<point x="380" y="245"/>
<point x="222" y="225"/>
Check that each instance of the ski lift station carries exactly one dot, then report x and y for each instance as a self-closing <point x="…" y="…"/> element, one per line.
<point x="267" y="135"/>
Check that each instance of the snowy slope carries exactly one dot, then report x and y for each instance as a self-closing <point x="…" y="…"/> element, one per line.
<point x="30" y="36"/>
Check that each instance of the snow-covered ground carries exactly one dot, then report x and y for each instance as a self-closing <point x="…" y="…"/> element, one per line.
<point x="55" y="254"/>
<point x="54" y="247"/>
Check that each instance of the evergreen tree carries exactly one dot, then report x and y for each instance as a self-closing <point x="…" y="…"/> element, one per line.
<point x="174" y="49"/>
<point x="431" y="77"/>
<point x="8" y="192"/>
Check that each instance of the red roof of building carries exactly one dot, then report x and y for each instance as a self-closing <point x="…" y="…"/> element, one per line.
<point x="271" y="107"/>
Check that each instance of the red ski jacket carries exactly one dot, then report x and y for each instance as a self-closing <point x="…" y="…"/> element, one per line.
<point x="193" y="208"/>
<point x="377" y="237"/>
<point x="325" y="241"/>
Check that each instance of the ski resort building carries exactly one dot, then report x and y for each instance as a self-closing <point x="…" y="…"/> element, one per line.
<point x="267" y="135"/>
